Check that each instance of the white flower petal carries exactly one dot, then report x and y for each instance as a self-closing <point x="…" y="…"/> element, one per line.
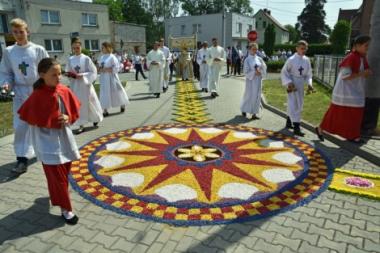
<point x="109" y="161"/>
<point x="141" y="136"/>
<point x="287" y="157"/>
<point x="175" y="130"/>
<point x="237" y="191"/>
<point x="272" y="144"/>
<point x="176" y="192"/>
<point x="210" y="130"/>
<point x="244" y="135"/>
<point x="119" y="145"/>
<point x="129" y="179"/>
<point x="278" y="175"/>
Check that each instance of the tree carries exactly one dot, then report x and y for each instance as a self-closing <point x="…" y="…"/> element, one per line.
<point x="294" y="34"/>
<point x="340" y="37"/>
<point x="199" y="7"/>
<point x="311" y="22"/>
<point x="269" y="39"/>
<point x="162" y="9"/>
<point x="115" y="8"/>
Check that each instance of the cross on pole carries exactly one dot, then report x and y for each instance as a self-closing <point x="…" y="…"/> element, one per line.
<point x="77" y="68"/>
<point x="301" y="69"/>
<point x="22" y="67"/>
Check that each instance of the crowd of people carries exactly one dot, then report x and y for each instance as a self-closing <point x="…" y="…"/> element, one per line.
<point x="36" y="80"/>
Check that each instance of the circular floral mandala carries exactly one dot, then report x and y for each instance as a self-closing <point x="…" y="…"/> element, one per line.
<point x="199" y="174"/>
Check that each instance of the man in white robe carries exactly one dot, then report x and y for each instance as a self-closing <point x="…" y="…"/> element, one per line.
<point x="216" y="59"/>
<point x="156" y="63"/>
<point x="185" y="64"/>
<point x="168" y="58"/>
<point x="296" y="72"/>
<point x="254" y="70"/>
<point x="84" y="74"/>
<point x="18" y="71"/>
<point x="203" y="67"/>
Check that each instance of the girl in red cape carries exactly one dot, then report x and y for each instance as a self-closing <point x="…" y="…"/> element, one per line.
<point x="345" y="114"/>
<point x="50" y="110"/>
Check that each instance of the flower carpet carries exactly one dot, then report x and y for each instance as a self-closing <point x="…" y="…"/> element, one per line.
<point x="199" y="174"/>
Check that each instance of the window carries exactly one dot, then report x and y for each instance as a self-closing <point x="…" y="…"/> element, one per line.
<point x="50" y="17"/>
<point x="264" y="24"/>
<point x="197" y="28"/>
<point x="183" y="27"/>
<point x="53" y="45"/>
<point x="89" y="19"/>
<point x="239" y="27"/>
<point x="249" y="28"/>
<point x="92" y="45"/>
<point x="3" y="23"/>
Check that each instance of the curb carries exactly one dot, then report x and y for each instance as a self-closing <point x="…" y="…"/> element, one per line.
<point x="353" y="148"/>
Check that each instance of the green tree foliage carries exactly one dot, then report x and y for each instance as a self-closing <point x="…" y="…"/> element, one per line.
<point x="294" y="34"/>
<point x="199" y="7"/>
<point x="115" y="8"/>
<point x="269" y="39"/>
<point x="340" y="37"/>
<point x="311" y="22"/>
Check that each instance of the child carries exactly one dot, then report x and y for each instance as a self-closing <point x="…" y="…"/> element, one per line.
<point x="345" y="114"/>
<point x="51" y="135"/>
<point x="83" y="73"/>
<point x="295" y="73"/>
<point x="112" y="93"/>
<point x="18" y="71"/>
<point x="254" y="70"/>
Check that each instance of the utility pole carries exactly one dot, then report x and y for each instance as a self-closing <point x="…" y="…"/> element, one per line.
<point x="224" y="24"/>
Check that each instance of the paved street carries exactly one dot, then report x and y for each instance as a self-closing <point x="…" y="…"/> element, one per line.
<point x="332" y="222"/>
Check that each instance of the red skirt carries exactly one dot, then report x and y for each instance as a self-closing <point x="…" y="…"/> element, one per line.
<point x="344" y="121"/>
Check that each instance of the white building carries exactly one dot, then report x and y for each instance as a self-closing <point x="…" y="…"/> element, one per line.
<point x="230" y="29"/>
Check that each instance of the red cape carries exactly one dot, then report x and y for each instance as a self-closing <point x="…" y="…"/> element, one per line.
<point x="41" y="108"/>
<point x="352" y="60"/>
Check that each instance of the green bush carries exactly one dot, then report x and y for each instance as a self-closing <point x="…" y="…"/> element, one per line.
<point x="275" y="66"/>
<point x="314" y="49"/>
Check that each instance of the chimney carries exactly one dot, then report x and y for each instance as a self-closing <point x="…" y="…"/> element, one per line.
<point x="267" y="11"/>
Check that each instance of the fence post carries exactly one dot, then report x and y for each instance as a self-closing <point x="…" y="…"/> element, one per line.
<point x="323" y="69"/>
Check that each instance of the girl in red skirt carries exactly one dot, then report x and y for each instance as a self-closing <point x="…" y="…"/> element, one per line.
<point x="49" y="110"/>
<point x="345" y="114"/>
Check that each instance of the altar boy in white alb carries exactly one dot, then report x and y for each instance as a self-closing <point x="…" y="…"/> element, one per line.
<point x="254" y="69"/>
<point x="216" y="59"/>
<point x="156" y="62"/>
<point x="296" y="72"/>
<point x="83" y="73"/>
<point x="203" y="66"/>
<point x="168" y="57"/>
<point x="18" y="71"/>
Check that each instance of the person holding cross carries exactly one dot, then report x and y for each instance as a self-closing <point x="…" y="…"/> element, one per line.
<point x="296" y="72"/>
<point x="18" y="71"/>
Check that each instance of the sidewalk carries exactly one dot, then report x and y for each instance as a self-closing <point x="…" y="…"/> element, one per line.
<point x="332" y="222"/>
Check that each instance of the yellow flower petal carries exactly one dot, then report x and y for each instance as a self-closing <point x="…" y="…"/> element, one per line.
<point x="212" y="155"/>
<point x="188" y="155"/>
<point x="199" y="158"/>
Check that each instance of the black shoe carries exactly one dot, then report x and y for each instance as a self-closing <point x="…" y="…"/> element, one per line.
<point x="206" y="90"/>
<point x="105" y="114"/>
<point x="297" y="129"/>
<point x="79" y="130"/>
<point x="244" y="114"/>
<point x="71" y="221"/>
<point x="289" y="123"/>
<point x="165" y="89"/>
<point x="157" y="95"/>
<point x="122" y="109"/>
<point x="95" y="124"/>
<point x="20" y="168"/>
<point x="254" y="117"/>
<point x="320" y="135"/>
<point x="213" y="94"/>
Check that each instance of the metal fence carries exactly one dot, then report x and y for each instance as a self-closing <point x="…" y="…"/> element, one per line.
<point x="326" y="68"/>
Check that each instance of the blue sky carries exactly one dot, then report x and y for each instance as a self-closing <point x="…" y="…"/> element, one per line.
<point x="286" y="11"/>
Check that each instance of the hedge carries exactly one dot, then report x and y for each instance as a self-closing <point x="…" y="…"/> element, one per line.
<point x="313" y="48"/>
<point x="275" y="66"/>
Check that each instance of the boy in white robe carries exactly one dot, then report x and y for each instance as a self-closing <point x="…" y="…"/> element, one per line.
<point x="216" y="59"/>
<point x="185" y="64"/>
<point x="296" y="72"/>
<point x="254" y="70"/>
<point x="203" y="67"/>
<point x="83" y="73"/>
<point x="112" y="92"/>
<point x="156" y="62"/>
<point x="18" y="71"/>
<point x="168" y="57"/>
